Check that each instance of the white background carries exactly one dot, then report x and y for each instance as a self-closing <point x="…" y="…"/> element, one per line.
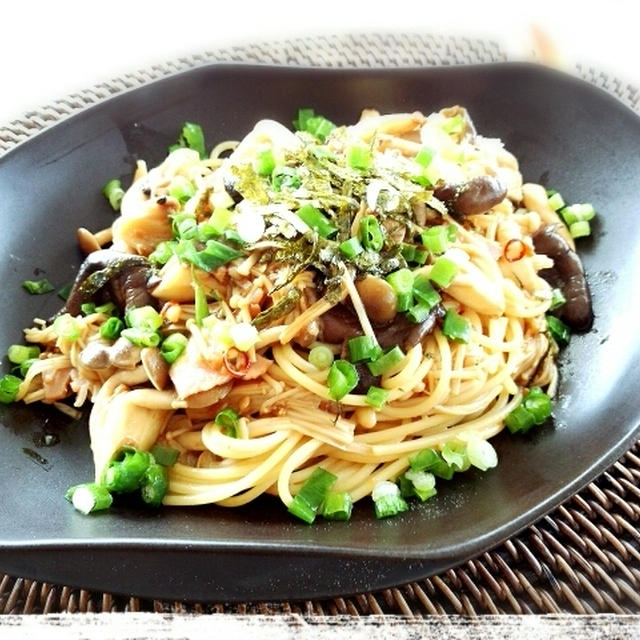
<point x="49" y="49"/>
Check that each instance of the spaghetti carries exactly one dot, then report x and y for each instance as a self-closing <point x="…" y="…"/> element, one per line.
<point x="350" y="296"/>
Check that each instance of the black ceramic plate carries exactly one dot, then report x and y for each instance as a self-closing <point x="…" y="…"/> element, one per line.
<point x="567" y="134"/>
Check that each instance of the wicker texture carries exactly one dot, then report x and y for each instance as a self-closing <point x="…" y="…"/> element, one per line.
<point x="582" y="558"/>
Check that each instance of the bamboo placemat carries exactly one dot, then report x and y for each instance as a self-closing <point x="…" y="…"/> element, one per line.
<point x="583" y="558"/>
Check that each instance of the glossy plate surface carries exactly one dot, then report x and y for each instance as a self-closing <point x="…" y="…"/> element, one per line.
<point x="566" y="134"/>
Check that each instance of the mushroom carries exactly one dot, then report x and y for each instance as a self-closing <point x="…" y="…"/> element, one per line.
<point x="475" y="196"/>
<point x="567" y="274"/>
<point x="108" y="275"/>
<point x="379" y="299"/>
<point x="408" y="334"/>
<point x="122" y="354"/>
<point x="156" y="367"/>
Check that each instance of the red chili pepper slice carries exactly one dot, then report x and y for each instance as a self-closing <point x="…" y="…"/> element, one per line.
<point x="514" y="250"/>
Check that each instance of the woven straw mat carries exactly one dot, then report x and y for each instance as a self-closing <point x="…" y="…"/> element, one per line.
<point x="582" y="558"/>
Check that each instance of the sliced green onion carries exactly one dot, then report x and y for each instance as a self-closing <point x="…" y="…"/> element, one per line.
<point x="423" y="483"/>
<point x="321" y="356"/>
<point x="387" y="500"/>
<point x="166" y="456"/>
<point x="111" y="328"/>
<point x="26" y="365"/>
<point x="424" y="291"/>
<point x="342" y="378"/>
<point x="284" y="177"/>
<point x="431" y="460"/>
<point x="264" y="163"/>
<point x="437" y="239"/>
<point x="87" y="308"/>
<point x="371" y="234"/>
<point x="316" y="125"/>
<point x="141" y="337"/>
<point x="558" y="329"/>
<point x="154" y="485"/>
<point x="557" y="299"/>
<point x="186" y="227"/>
<point x="125" y="472"/>
<point x="534" y="409"/>
<point x="308" y="500"/>
<point x="145" y="317"/>
<point x="9" y="385"/>
<point x="519" y="420"/>
<point x="228" y="421"/>
<point x="424" y="157"/>
<point x="401" y="282"/>
<point x="220" y="220"/>
<point x="376" y="397"/>
<point x="37" y="287"/>
<point x="89" y="497"/>
<point x="419" y="312"/>
<point x="192" y="137"/>
<point x="481" y="453"/>
<point x="182" y="189"/>
<point x="363" y="349"/>
<point x="114" y="193"/>
<point x="580" y="229"/>
<point x="172" y="346"/>
<point x="577" y="213"/>
<point x="443" y="272"/>
<point x="66" y="327"/>
<point x="556" y="201"/>
<point x="18" y="353"/>
<point x="359" y="157"/>
<point x="408" y="252"/>
<point x="351" y="247"/>
<point x="201" y="308"/>
<point x="386" y="361"/>
<point x="163" y="252"/>
<point x="455" y="455"/>
<point x="538" y="404"/>
<point x="64" y="292"/>
<point x="337" y="506"/>
<point x="316" y="220"/>
<point x="456" y="327"/>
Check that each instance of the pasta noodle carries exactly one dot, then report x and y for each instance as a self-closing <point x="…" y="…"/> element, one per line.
<point x="283" y="246"/>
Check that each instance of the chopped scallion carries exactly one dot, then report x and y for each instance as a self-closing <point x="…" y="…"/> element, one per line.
<point x="376" y="397"/>
<point x="456" y="327"/>
<point x="38" y="287"/>
<point x="342" y="378"/>
<point x="18" y="353"/>
<point x="443" y="272"/>
<point x="264" y="162"/>
<point x="228" y="421"/>
<point x="401" y="282"/>
<point x="351" y="247"/>
<point x="89" y="497"/>
<point x="9" y="385"/>
<point x="164" y="455"/>
<point x="111" y="328"/>
<point x="386" y="361"/>
<point x="321" y="356"/>
<point x="371" y="234"/>
<point x="172" y="346"/>
<point x="114" y="193"/>
<point x="387" y="500"/>
<point x="359" y="157"/>
<point x="316" y="220"/>
<point x="558" y="329"/>
<point x="308" y="500"/>
<point x="363" y="349"/>
<point x="337" y="506"/>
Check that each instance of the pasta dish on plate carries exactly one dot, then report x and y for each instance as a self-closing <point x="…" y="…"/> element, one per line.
<point x="323" y="312"/>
